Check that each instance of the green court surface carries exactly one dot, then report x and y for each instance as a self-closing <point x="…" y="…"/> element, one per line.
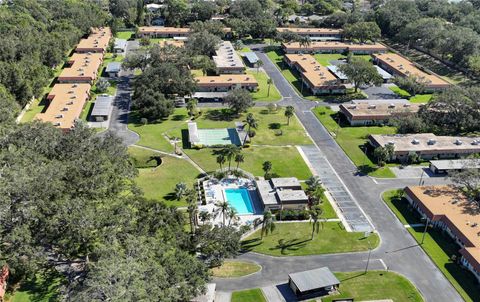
<point x="223" y="136"/>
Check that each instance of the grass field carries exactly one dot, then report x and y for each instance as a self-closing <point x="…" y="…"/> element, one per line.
<point x="262" y="94"/>
<point x="249" y="295"/>
<point x="375" y="285"/>
<point x="438" y="246"/>
<point x="418" y="98"/>
<point x="351" y="139"/>
<point x="42" y="288"/>
<point x="143" y="158"/>
<point x="124" y="34"/>
<point x="235" y="268"/>
<point x="294" y="239"/>
<point x="286" y="161"/>
<point x="159" y="183"/>
<point x="325" y="58"/>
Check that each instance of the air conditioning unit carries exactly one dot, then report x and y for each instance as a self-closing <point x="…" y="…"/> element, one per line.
<point x="65" y="109"/>
<point x="372" y="106"/>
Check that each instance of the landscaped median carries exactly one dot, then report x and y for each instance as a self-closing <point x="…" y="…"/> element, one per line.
<point x="295" y="239"/>
<point x="438" y="247"/>
<point x="235" y="269"/>
<point x="352" y="140"/>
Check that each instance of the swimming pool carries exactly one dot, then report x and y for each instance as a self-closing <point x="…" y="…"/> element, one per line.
<point x="239" y="199"/>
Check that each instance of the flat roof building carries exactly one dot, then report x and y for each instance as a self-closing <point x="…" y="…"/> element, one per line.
<point x="448" y="209"/>
<point x="120" y="45"/>
<point x="65" y="104"/>
<point x="334" y="47"/>
<point x="226" y="82"/>
<point x="227" y="60"/>
<point x="316" y="281"/>
<point x="448" y="165"/>
<point x="375" y="114"/>
<point x="162" y="32"/>
<point x="427" y="145"/>
<point x="102" y="108"/>
<point x="281" y="192"/>
<point x="83" y="68"/>
<point x="251" y="57"/>
<point x="113" y="69"/>
<point x="316" y="77"/>
<point x="314" y="33"/>
<point x="97" y="41"/>
<point x="400" y="66"/>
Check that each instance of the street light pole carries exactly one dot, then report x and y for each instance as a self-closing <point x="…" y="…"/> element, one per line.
<point x="367" y="235"/>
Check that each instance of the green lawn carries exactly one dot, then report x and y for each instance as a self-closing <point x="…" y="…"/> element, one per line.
<point x="245" y="49"/>
<point x="328" y="211"/>
<point x="418" y="98"/>
<point x="294" y="239"/>
<point x="375" y="285"/>
<point x="235" y="268"/>
<point x="286" y="161"/>
<point x="261" y="94"/>
<point x="40" y="289"/>
<point x="325" y="58"/>
<point x="159" y="183"/>
<point x="438" y="246"/>
<point x="143" y="158"/>
<point x="249" y="295"/>
<point x="350" y="139"/>
<point x="124" y="34"/>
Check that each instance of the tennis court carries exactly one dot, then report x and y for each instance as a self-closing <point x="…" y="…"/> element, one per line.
<point x="225" y="136"/>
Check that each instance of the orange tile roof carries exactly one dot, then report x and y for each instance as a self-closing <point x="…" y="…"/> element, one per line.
<point x="312" y="71"/>
<point x="226" y="80"/>
<point x="163" y="30"/>
<point x="449" y="205"/>
<point x="332" y="45"/>
<point x="66" y="104"/>
<point x="404" y="67"/>
<point x="84" y="68"/>
<point x="310" y="31"/>
<point x="97" y="41"/>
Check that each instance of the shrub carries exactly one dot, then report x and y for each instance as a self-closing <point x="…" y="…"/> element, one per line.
<point x="246" y="146"/>
<point x="143" y="121"/>
<point x="275" y="126"/>
<point x="292" y="215"/>
<point x="252" y="133"/>
<point x="278" y="132"/>
<point x="197" y="146"/>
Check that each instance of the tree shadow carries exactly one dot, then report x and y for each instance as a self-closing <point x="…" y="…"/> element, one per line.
<point x="43" y="287"/>
<point x="179" y="117"/>
<point x="289" y="245"/>
<point x="223" y="114"/>
<point x="248" y="245"/>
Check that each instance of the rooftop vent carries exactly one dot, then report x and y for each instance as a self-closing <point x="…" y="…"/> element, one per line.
<point x="59" y="116"/>
<point x="406" y="105"/>
<point x="74" y="85"/>
<point x="352" y="107"/>
<point x="372" y="106"/>
<point x="70" y="91"/>
<point x="391" y="143"/>
<point x="454" y="201"/>
<point x="73" y="97"/>
<point x="70" y="103"/>
<point x="65" y="109"/>
<point x="56" y="124"/>
<point x="475" y="142"/>
<point x="415" y="141"/>
<point x="431" y="141"/>
<point x="392" y="105"/>
<point x="458" y="142"/>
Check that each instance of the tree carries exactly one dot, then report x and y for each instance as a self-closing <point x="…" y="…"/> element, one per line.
<point x="259" y="64"/>
<point x="269" y="83"/>
<point x="268" y="223"/>
<point x="151" y="104"/>
<point x="102" y="85"/>
<point x="180" y="190"/>
<point x="383" y="154"/>
<point x="305" y="41"/>
<point x="411" y="83"/>
<point x="315" y="214"/>
<point x="230" y="152"/>
<point x="267" y="167"/>
<point x="222" y="208"/>
<point x="192" y="107"/>
<point x="176" y="12"/>
<point x="252" y="123"/>
<point x="203" y="10"/>
<point x="469" y="182"/>
<point x="192" y="208"/>
<point x="214" y="244"/>
<point x="221" y="160"/>
<point x="239" y="158"/>
<point x="239" y="100"/>
<point x="362" y="31"/>
<point x="272" y="107"/>
<point x="8" y="107"/>
<point x="361" y="72"/>
<point x="232" y="216"/>
<point x="409" y="123"/>
<point x="289" y="113"/>
<point x="204" y="216"/>
<point x="202" y="43"/>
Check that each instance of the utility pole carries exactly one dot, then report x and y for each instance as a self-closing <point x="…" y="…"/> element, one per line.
<point x="421" y="178"/>
<point x="367" y="236"/>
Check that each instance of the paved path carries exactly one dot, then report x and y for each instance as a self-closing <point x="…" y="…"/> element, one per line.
<point x="398" y="250"/>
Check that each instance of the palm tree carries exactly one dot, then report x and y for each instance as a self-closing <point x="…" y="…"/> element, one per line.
<point x="221" y="160"/>
<point x="315" y="214"/>
<point x="204" y="216"/>
<point x="222" y="208"/>
<point x="313" y="182"/>
<point x="180" y="190"/>
<point x="305" y="42"/>
<point x="268" y="224"/>
<point x="269" y="82"/>
<point x="232" y="216"/>
<point x="230" y="152"/>
<point x="289" y="111"/>
<point x="192" y="208"/>
<point x="239" y="158"/>
<point x="251" y="122"/>
<point x="267" y="167"/>
<point x="259" y="64"/>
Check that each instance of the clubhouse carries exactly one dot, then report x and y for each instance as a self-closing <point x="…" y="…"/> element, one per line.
<point x="96" y="42"/>
<point x="402" y="67"/>
<point x="448" y="209"/>
<point x="83" y="68"/>
<point x="277" y="193"/>
<point x="65" y="104"/>
<point x="363" y="114"/>
<point x="317" y="78"/>
<point x="427" y="145"/>
<point x="224" y="82"/>
<point x="334" y="47"/>
<point x="314" y="33"/>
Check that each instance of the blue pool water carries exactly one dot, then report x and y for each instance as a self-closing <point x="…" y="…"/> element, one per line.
<point x="240" y="200"/>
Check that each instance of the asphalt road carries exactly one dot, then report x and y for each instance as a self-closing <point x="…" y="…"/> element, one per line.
<point x="398" y="251"/>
